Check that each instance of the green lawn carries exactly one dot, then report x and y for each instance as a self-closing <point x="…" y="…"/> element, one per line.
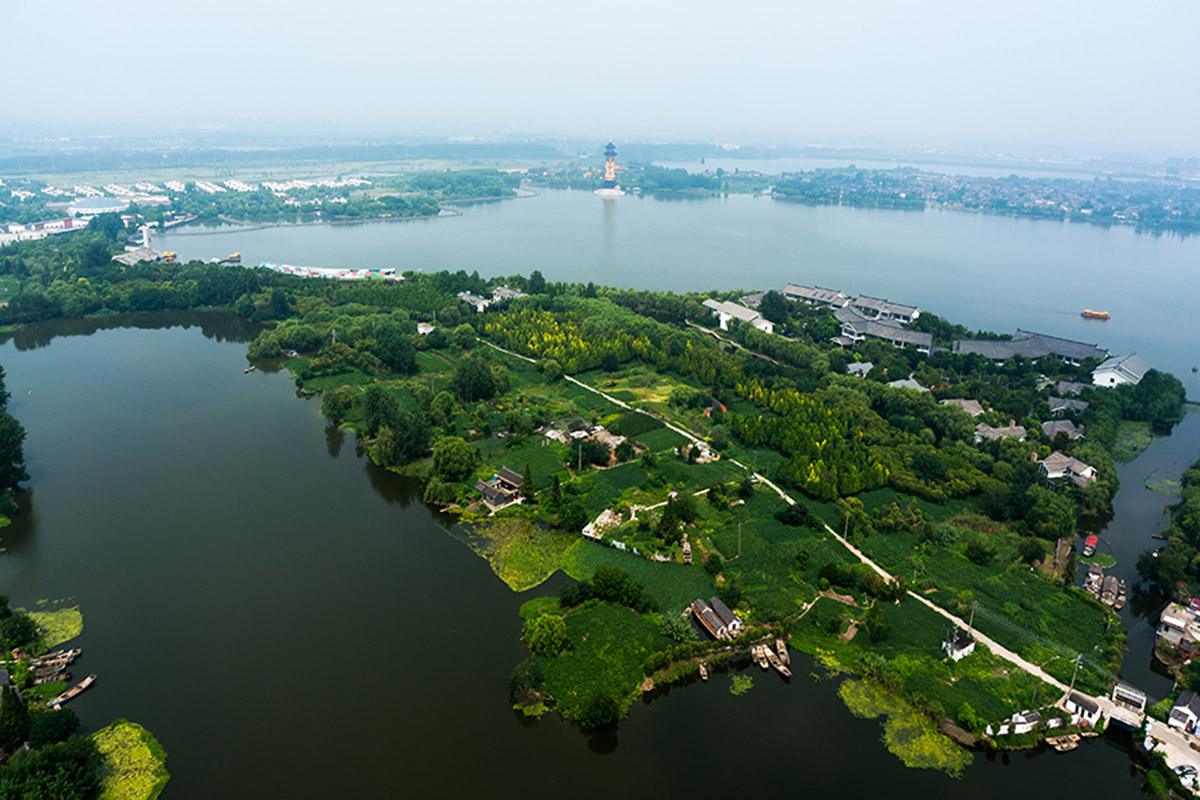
<point x="606" y="645"/>
<point x="544" y="457"/>
<point x="660" y="439"/>
<point x="674" y="586"/>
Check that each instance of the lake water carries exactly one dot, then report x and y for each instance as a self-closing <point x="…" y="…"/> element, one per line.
<point x="292" y="622"/>
<point x="991" y="272"/>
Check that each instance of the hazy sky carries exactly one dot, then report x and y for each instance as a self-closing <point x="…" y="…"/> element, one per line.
<point x="1113" y="75"/>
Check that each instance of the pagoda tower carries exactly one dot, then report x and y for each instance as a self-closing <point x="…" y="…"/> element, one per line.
<point x="609" y="187"/>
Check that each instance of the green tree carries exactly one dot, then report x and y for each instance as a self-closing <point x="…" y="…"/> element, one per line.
<point x="600" y="711"/>
<point x="442" y="408"/>
<point x="393" y="346"/>
<point x="1031" y="550"/>
<point x="12" y="452"/>
<point x="14" y="719"/>
<point x="454" y="459"/>
<point x="546" y="635"/>
<point x="527" y="488"/>
<point x="336" y="403"/>
<point x="774" y="306"/>
<point x="537" y="283"/>
<point x="473" y="380"/>
<point x="49" y="727"/>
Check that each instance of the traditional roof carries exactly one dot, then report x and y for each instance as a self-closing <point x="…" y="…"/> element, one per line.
<point x="883" y="306"/>
<point x="493" y="493"/>
<point x="994" y="434"/>
<point x="733" y="310"/>
<point x="1061" y="463"/>
<point x="1056" y="426"/>
<point x="512" y="478"/>
<point x="1086" y="703"/>
<point x="859" y="368"/>
<point x="816" y="294"/>
<point x="505" y="293"/>
<point x="907" y="383"/>
<point x="1188" y="701"/>
<point x="1131" y="367"/>
<point x="753" y="299"/>
<point x="1064" y="388"/>
<point x="1028" y="344"/>
<point x="972" y="407"/>
<point x="1057" y="404"/>
<point x="722" y="611"/>
<point x="887" y="330"/>
<point x="959" y="640"/>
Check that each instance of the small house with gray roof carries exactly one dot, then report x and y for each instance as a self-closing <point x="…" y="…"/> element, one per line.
<point x="1120" y="371"/>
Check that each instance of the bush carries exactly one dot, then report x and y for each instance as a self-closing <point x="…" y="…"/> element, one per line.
<point x="52" y="726"/>
<point x="600" y="711"/>
<point x="546" y="635"/>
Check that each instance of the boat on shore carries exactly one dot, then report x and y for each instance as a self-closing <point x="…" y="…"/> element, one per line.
<point x="73" y="692"/>
<point x="1091" y="313"/>
<point x="703" y="671"/>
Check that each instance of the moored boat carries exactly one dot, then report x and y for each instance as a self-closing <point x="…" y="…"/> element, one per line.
<point x="1091" y="313"/>
<point x="73" y="692"/>
<point x="1089" y="545"/>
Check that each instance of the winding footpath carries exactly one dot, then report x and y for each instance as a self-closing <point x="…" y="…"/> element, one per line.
<point x="1177" y="747"/>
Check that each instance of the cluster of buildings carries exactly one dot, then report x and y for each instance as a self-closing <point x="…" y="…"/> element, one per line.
<point x="499" y="295"/>
<point x="865" y="317"/>
<point x="337" y="273"/>
<point x="567" y="434"/>
<point x="16" y="232"/>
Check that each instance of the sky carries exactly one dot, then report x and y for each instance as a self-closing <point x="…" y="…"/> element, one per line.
<point x="1099" y="75"/>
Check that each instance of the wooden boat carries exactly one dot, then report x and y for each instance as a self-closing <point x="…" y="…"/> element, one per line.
<point x="1108" y="593"/>
<point x="51" y="678"/>
<point x="56" y="658"/>
<point x="1091" y="313"/>
<point x="73" y="692"/>
<point x="760" y="655"/>
<point x="249" y="369"/>
<point x="703" y="671"/>
<point x="782" y="651"/>
<point x="777" y="663"/>
<point x="1119" y="603"/>
<point x="1089" y="545"/>
<point x="1094" y="580"/>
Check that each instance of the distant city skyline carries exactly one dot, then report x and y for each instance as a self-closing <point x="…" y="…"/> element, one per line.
<point x="1070" y="76"/>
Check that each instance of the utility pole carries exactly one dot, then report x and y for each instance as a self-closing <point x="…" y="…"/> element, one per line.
<point x="971" y="622"/>
<point x="1075" y="672"/>
<point x="739" y="541"/>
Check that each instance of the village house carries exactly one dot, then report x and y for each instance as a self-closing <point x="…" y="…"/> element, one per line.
<point x="480" y="304"/>
<point x="876" y="308"/>
<point x="1129" y="697"/>
<point x="1062" y="426"/>
<point x="907" y="383"/>
<point x="1025" y="721"/>
<point x="972" y="407"/>
<point x="816" y="295"/>
<point x="503" y="293"/>
<point x="1060" y="465"/>
<point x="716" y="618"/>
<point x="726" y="311"/>
<point x="424" y="328"/>
<point x="752" y="300"/>
<point x="1065" y="405"/>
<point x="1178" y="628"/>
<point x="959" y="645"/>
<point x="1068" y="389"/>
<point x="1186" y="712"/>
<point x="1120" y="371"/>
<point x="606" y="519"/>
<point x="855" y="327"/>
<point x="502" y="489"/>
<point x="860" y="368"/>
<point x="989" y="433"/>
<point x="1028" y="344"/>
<point x="1084" y="711"/>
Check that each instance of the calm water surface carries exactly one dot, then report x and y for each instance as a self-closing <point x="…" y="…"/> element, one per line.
<point x="294" y="623"/>
<point x="988" y="272"/>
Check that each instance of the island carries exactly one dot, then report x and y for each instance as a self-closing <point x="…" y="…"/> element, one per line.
<point x="727" y="478"/>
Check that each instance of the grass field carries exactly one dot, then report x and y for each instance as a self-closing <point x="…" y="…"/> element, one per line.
<point x="660" y="439"/>
<point x="674" y="586"/>
<point x="1132" y="439"/>
<point x="544" y="457"/>
<point x="133" y="762"/>
<point x="606" y="645"/>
